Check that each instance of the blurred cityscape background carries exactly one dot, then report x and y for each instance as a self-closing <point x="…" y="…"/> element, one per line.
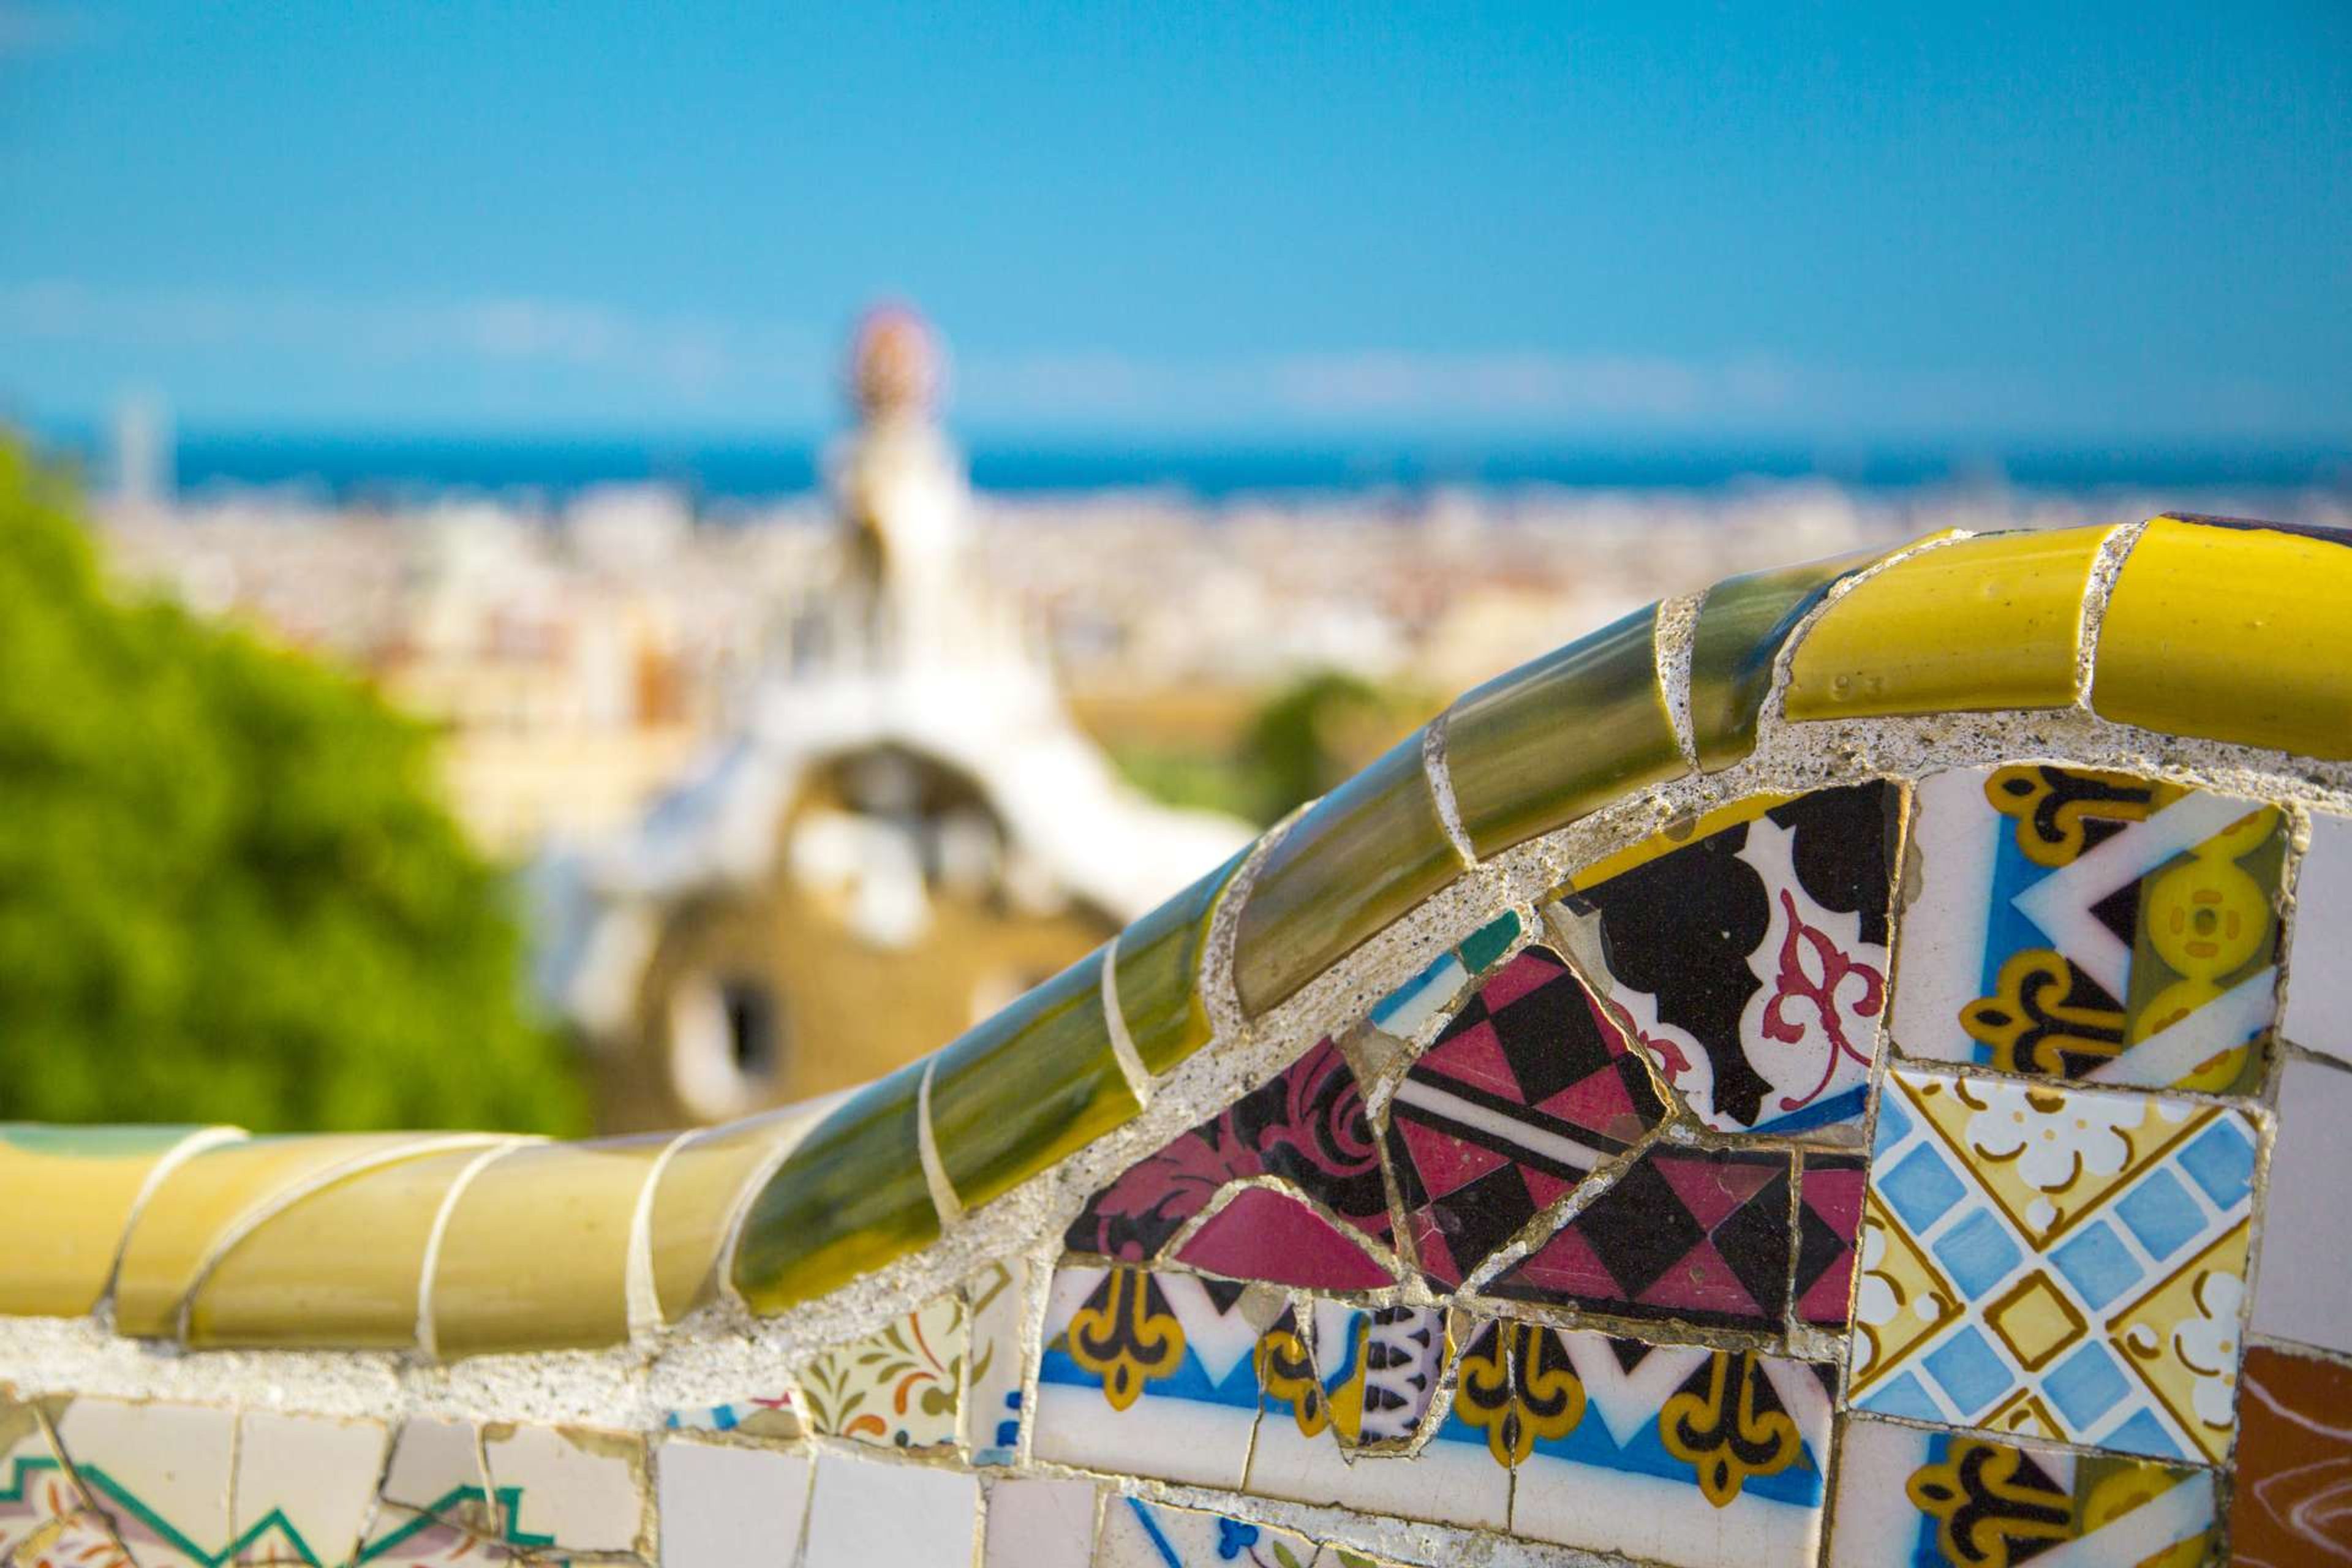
<point x="511" y="614"/>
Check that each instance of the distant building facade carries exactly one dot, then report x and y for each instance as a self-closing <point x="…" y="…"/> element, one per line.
<point x="904" y="831"/>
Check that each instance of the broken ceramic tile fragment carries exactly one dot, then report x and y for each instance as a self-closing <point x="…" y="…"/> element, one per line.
<point x="572" y="1488"/>
<point x="2083" y="924"/>
<point x="1528" y="1089"/>
<point x="1039" y="1523"/>
<point x="1149" y="1374"/>
<point x="997" y="1301"/>
<point x="1712" y="1458"/>
<point x="2307" y="1257"/>
<point x="1306" y="1129"/>
<point x="305" y="1486"/>
<point x="1908" y="1495"/>
<point x="2293" y="1460"/>
<point x="2066" y="1264"/>
<point x="1139" y="1534"/>
<point x="899" y="1387"/>
<point x="723" y="1506"/>
<point x="862" y="1513"/>
<point x="1747" y="953"/>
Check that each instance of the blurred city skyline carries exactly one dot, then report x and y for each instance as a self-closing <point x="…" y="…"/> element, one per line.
<point x="2113" y="239"/>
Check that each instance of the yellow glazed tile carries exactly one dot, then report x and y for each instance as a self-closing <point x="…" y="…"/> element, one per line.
<point x="850" y="1197"/>
<point x="1560" y="736"/>
<point x="535" y="1252"/>
<point x="1976" y="623"/>
<point x="207" y="1200"/>
<point x="1021" y="1090"/>
<point x="1157" y="972"/>
<point x="297" y="1279"/>
<point x="1365" y="854"/>
<point x="699" y="1193"/>
<point x="2232" y="632"/>
<point x="71" y="1190"/>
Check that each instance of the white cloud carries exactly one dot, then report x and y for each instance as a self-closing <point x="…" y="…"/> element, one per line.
<point x="1531" y="384"/>
<point x="1527" y="383"/>
<point x="542" y="353"/>
<point x="689" y="353"/>
<point x="705" y="357"/>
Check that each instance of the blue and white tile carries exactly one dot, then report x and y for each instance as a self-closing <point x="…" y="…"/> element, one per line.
<point x="2091" y="926"/>
<point x="1409" y="1010"/>
<point x="1139" y="1534"/>
<point x="770" y="1414"/>
<point x="1148" y="1373"/>
<point x="1912" y="1497"/>
<point x="2058" y="1263"/>
<point x="1700" y="1458"/>
<point x="1332" y="1442"/>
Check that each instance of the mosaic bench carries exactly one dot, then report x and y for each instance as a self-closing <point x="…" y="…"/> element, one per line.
<point x="1844" y="1067"/>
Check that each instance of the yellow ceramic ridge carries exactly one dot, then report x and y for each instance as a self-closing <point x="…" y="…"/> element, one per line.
<point x="214" y="1197"/>
<point x="2231" y="631"/>
<point x="1992" y="621"/>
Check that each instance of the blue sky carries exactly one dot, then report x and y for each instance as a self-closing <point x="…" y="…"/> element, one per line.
<point x="1827" y="222"/>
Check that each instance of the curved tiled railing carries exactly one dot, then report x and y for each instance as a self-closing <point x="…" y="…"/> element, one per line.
<point x="2211" y="629"/>
<point x="1247" y="1125"/>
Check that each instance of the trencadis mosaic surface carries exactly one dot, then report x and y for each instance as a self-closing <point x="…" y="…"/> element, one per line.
<point x="1845" y="1067"/>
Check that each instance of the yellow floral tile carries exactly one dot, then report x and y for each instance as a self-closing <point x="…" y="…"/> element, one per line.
<point x="1909" y="1299"/>
<point x="2048" y="1156"/>
<point x="2183" y="1339"/>
<point x="896" y="1388"/>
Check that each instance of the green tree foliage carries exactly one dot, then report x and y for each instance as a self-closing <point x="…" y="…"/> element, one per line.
<point x="1316" y="734"/>
<point x="227" y="890"/>
<point x="1303" y="741"/>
